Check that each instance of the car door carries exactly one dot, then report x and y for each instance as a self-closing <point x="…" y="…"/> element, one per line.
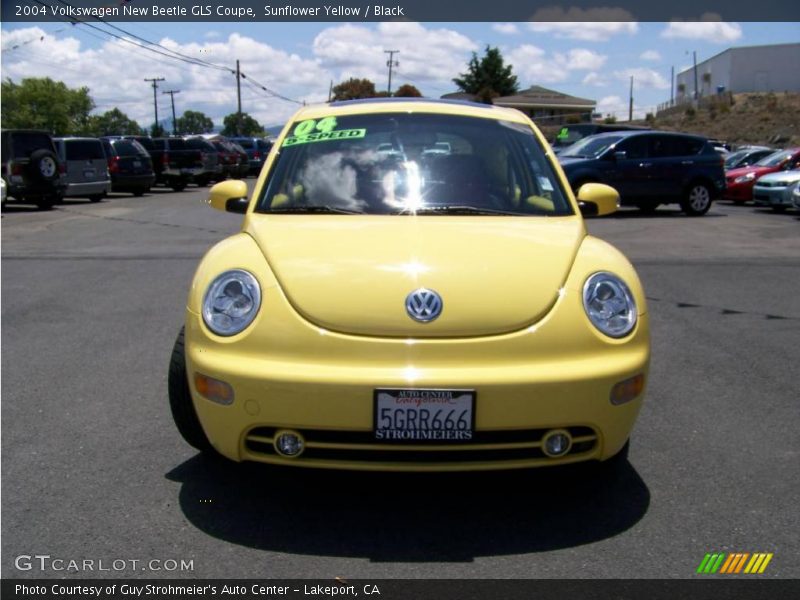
<point x="630" y="170"/>
<point x="670" y="159"/>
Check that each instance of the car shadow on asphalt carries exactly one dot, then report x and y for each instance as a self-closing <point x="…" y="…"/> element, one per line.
<point x="661" y="213"/>
<point x="408" y="517"/>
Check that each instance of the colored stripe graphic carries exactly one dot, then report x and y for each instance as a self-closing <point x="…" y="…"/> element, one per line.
<point x="734" y="563"/>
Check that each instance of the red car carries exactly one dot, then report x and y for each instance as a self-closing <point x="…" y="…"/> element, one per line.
<point x="739" y="182"/>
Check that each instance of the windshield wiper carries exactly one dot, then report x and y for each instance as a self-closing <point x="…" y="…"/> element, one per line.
<point x="459" y="209"/>
<point x="324" y="208"/>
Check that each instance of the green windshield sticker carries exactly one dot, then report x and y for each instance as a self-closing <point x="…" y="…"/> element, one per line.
<point x="323" y="136"/>
<point x="563" y="134"/>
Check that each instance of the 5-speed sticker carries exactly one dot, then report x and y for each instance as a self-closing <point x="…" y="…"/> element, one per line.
<point x="324" y="136"/>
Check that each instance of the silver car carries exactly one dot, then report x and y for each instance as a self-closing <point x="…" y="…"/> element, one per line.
<point x="775" y="190"/>
<point x="86" y="167"/>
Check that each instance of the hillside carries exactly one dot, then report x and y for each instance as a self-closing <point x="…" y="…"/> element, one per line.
<point x="771" y="119"/>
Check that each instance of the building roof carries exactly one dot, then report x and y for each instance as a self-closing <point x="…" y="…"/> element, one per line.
<point x="738" y="49"/>
<point x="460" y="96"/>
<point x="538" y="97"/>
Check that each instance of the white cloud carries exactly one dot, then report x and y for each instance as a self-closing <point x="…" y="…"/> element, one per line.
<point x="595" y="79"/>
<point x="114" y="73"/>
<point x="580" y="59"/>
<point x="594" y="24"/>
<point x="710" y="28"/>
<point x="653" y="55"/>
<point x="531" y="65"/>
<point x="643" y="78"/>
<point x="506" y="28"/>
<point x="617" y="107"/>
<point x="427" y="56"/>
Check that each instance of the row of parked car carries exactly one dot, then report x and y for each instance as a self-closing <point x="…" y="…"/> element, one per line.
<point x="649" y="168"/>
<point x="40" y="169"/>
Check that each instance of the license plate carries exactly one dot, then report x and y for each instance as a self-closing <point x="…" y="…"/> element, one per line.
<point x="424" y="415"/>
<point x="88" y="173"/>
<point x="137" y="163"/>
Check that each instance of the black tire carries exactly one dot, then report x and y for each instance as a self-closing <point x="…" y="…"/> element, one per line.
<point x="45" y="202"/>
<point x="202" y="181"/>
<point x="778" y="209"/>
<point x="178" y="186"/>
<point x="141" y="192"/>
<point x="697" y="200"/>
<point x="96" y="198"/>
<point x="180" y="400"/>
<point x="43" y="165"/>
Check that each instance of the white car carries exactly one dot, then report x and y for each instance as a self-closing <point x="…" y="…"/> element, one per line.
<point x="775" y="190"/>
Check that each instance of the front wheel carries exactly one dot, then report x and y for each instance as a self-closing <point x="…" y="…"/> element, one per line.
<point x="779" y="209"/>
<point x="180" y="400"/>
<point x="46" y="202"/>
<point x="697" y="200"/>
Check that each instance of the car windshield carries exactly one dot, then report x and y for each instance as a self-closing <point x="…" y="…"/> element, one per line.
<point x="129" y="148"/>
<point x="591" y="147"/>
<point x="399" y="163"/>
<point x="773" y="160"/>
<point x="735" y="158"/>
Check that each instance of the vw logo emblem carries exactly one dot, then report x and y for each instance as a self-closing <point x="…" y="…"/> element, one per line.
<point x="423" y="305"/>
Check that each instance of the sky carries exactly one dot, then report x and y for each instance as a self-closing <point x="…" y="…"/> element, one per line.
<point x="299" y="60"/>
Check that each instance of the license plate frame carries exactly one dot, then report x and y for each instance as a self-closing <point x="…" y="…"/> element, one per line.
<point x="455" y="409"/>
<point x="89" y="173"/>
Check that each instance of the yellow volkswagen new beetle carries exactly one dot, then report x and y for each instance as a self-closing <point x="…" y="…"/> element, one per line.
<point x="413" y="288"/>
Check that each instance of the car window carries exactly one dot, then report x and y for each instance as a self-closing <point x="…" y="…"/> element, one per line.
<point x="774" y="159"/>
<point x="264" y="145"/>
<point x="198" y="144"/>
<point x="129" y="148"/>
<point x="666" y="146"/>
<point x="146" y="143"/>
<point x="635" y="147"/>
<point x="591" y="147"/>
<point x="25" y="144"/>
<point x="397" y="163"/>
<point x="177" y="144"/>
<point x="83" y="150"/>
<point x="159" y="144"/>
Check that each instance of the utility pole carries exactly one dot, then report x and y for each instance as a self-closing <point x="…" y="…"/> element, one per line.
<point x="694" y="54"/>
<point x="174" y="120"/>
<point x="238" y="100"/>
<point x="330" y="91"/>
<point x="155" y="81"/>
<point x="630" y="102"/>
<point x="391" y="63"/>
<point x="672" y="86"/>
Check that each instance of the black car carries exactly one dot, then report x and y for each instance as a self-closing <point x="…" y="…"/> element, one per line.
<point x="649" y="168"/>
<point x="31" y="168"/>
<point x="130" y="166"/>
<point x="257" y="150"/>
<point x="569" y="134"/>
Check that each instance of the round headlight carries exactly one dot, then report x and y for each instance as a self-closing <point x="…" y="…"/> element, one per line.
<point x="231" y="302"/>
<point x="609" y="304"/>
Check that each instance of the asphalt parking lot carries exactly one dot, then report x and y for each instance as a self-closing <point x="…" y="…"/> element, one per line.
<point x="93" y="468"/>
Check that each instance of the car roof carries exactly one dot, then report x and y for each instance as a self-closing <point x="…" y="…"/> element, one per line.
<point x="76" y="139"/>
<point x="630" y="133"/>
<point x="391" y="105"/>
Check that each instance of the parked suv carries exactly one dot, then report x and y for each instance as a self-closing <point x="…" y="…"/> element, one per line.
<point x="31" y="168"/>
<point x="86" y="170"/>
<point x="569" y="134"/>
<point x="257" y="150"/>
<point x="649" y="168"/>
<point x="130" y="166"/>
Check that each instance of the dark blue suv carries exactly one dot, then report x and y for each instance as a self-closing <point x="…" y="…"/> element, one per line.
<point x="649" y="168"/>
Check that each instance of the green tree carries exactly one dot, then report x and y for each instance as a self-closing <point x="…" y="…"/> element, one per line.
<point x="248" y="127"/>
<point x="488" y="77"/>
<point x="41" y="103"/>
<point x="156" y="130"/>
<point x="112" y="122"/>
<point x="192" y="121"/>
<point x="353" y="89"/>
<point x="408" y="91"/>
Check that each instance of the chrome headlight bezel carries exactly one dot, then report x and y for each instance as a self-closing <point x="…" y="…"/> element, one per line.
<point x="623" y="319"/>
<point x="220" y="321"/>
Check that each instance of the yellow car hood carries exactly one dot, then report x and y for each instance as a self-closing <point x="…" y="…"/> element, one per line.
<point x="352" y="274"/>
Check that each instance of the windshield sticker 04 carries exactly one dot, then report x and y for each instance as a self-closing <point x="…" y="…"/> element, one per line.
<point x="308" y="131"/>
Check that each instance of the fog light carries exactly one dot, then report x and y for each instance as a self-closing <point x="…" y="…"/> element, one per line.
<point x="627" y="390"/>
<point x="289" y="443"/>
<point x="213" y="389"/>
<point x="557" y="443"/>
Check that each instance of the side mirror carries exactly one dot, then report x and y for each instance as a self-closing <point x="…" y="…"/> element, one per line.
<point x="229" y="196"/>
<point x="621" y="155"/>
<point x="597" y="199"/>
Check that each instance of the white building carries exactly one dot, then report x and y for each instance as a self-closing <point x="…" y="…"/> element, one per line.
<point x="774" y="68"/>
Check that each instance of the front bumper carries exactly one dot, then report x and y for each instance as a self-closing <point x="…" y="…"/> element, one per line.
<point x="739" y="192"/>
<point x="326" y="395"/>
<point x="772" y="196"/>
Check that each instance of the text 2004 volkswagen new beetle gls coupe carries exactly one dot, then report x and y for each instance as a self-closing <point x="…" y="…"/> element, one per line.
<point x="413" y="288"/>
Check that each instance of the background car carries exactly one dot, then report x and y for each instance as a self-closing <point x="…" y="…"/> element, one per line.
<point x="31" y="167"/>
<point x="86" y="168"/>
<point x="243" y="163"/>
<point x="129" y="165"/>
<point x="257" y="150"/>
<point x="775" y="190"/>
<point x="569" y="134"/>
<point x="740" y="182"/>
<point x="447" y="311"/>
<point x="744" y="157"/>
<point x="207" y="158"/>
<point x="649" y="168"/>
